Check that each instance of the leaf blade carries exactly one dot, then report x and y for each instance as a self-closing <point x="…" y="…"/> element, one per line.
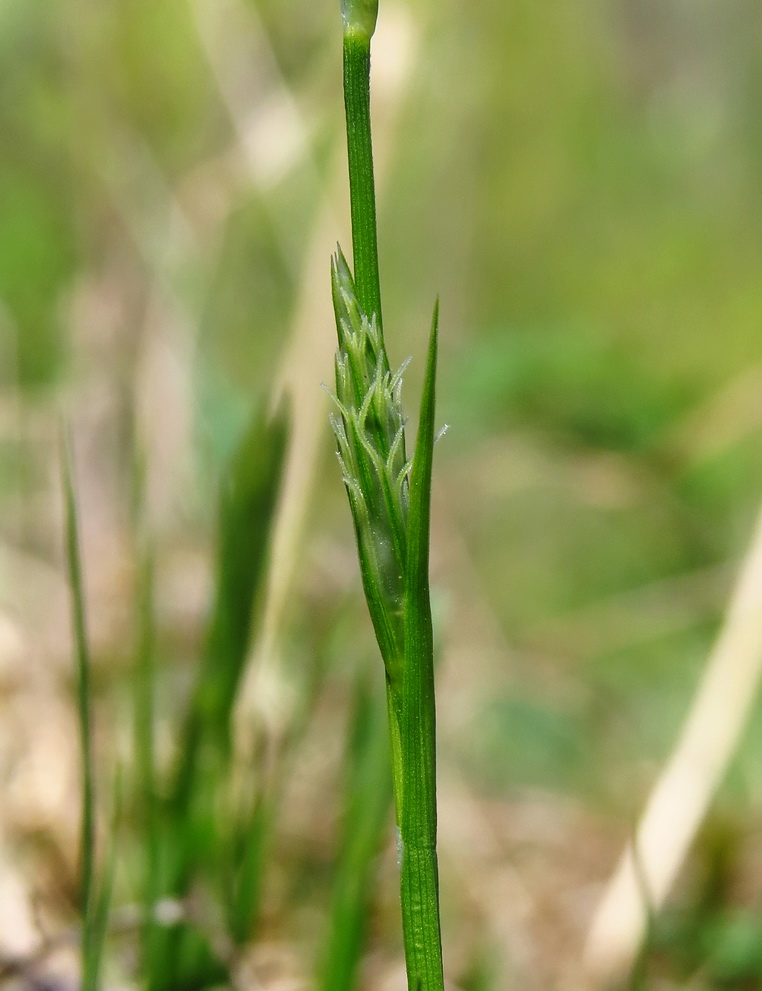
<point x="418" y="820"/>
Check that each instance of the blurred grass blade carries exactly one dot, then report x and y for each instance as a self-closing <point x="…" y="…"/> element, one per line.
<point x="95" y="941"/>
<point x="248" y="494"/>
<point x="87" y="840"/>
<point x="145" y="746"/>
<point x="256" y="815"/>
<point x="197" y="833"/>
<point x="418" y="821"/>
<point x="369" y="797"/>
<point x="251" y="844"/>
<point x="102" y="893"/>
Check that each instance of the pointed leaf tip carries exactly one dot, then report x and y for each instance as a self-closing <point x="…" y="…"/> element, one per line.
<point x="420" y="478"/>
<point x="342" y="265"/>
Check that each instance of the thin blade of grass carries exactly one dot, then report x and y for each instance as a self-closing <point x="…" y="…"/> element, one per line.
<point x="248" y="493"/>
<point x="369" y="798"/>
<point x="256" y="815"/>
<point x="247" y="501"/>
<point x="418" y="820"/>
<point x="252" y="843"/>
<point x="102" y="894"/>
<point x="145" y="748"/>
<point x="83" y="663"/>
<point x="196" y="830"/>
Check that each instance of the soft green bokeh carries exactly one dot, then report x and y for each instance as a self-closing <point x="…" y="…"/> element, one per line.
<point x="579" y="181"/>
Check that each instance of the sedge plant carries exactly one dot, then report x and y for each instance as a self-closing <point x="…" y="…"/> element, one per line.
<point x="389" y="496"/>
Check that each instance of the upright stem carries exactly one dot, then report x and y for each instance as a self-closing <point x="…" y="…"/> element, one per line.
<point x="362" y="200"/>
<point x="362" y="189"/>
<point x="411" y="706"/>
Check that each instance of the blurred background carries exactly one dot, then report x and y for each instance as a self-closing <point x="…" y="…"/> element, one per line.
<point x="579" y="182"/>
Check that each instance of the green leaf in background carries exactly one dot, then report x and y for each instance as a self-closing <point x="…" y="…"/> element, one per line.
<point x="195" y="831"/>
<point x="87" y="842"/>
<point x="368" y="802"/>
<point x="95" y="894"/>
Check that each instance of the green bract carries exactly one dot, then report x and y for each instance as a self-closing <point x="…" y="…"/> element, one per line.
<point x="359" y="16"/>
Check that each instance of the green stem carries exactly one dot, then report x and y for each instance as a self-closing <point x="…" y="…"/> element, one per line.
<point x="362" y="190"/>
<point x="411" y="704"/>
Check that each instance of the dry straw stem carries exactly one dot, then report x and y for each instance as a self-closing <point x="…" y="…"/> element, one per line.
<point x="680" y="799"/>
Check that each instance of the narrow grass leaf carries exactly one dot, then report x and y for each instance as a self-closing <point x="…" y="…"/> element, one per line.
<point x="197" y="834"/>
<point x="145" y="749"/>
<point x="368" y="804"/>
<point x="418" y="820"/>
<point x="247" y="502"/>
<point x="249" y="855"/>
<point x="87" y="837"/>
<point x="102" y="895"/>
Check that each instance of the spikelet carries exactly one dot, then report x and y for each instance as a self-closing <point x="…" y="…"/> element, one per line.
<point x="370" y="433"/>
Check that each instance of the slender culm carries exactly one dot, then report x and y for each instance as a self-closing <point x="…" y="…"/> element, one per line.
<point x="389" y="497"/>
<point x="359" y="18"/>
